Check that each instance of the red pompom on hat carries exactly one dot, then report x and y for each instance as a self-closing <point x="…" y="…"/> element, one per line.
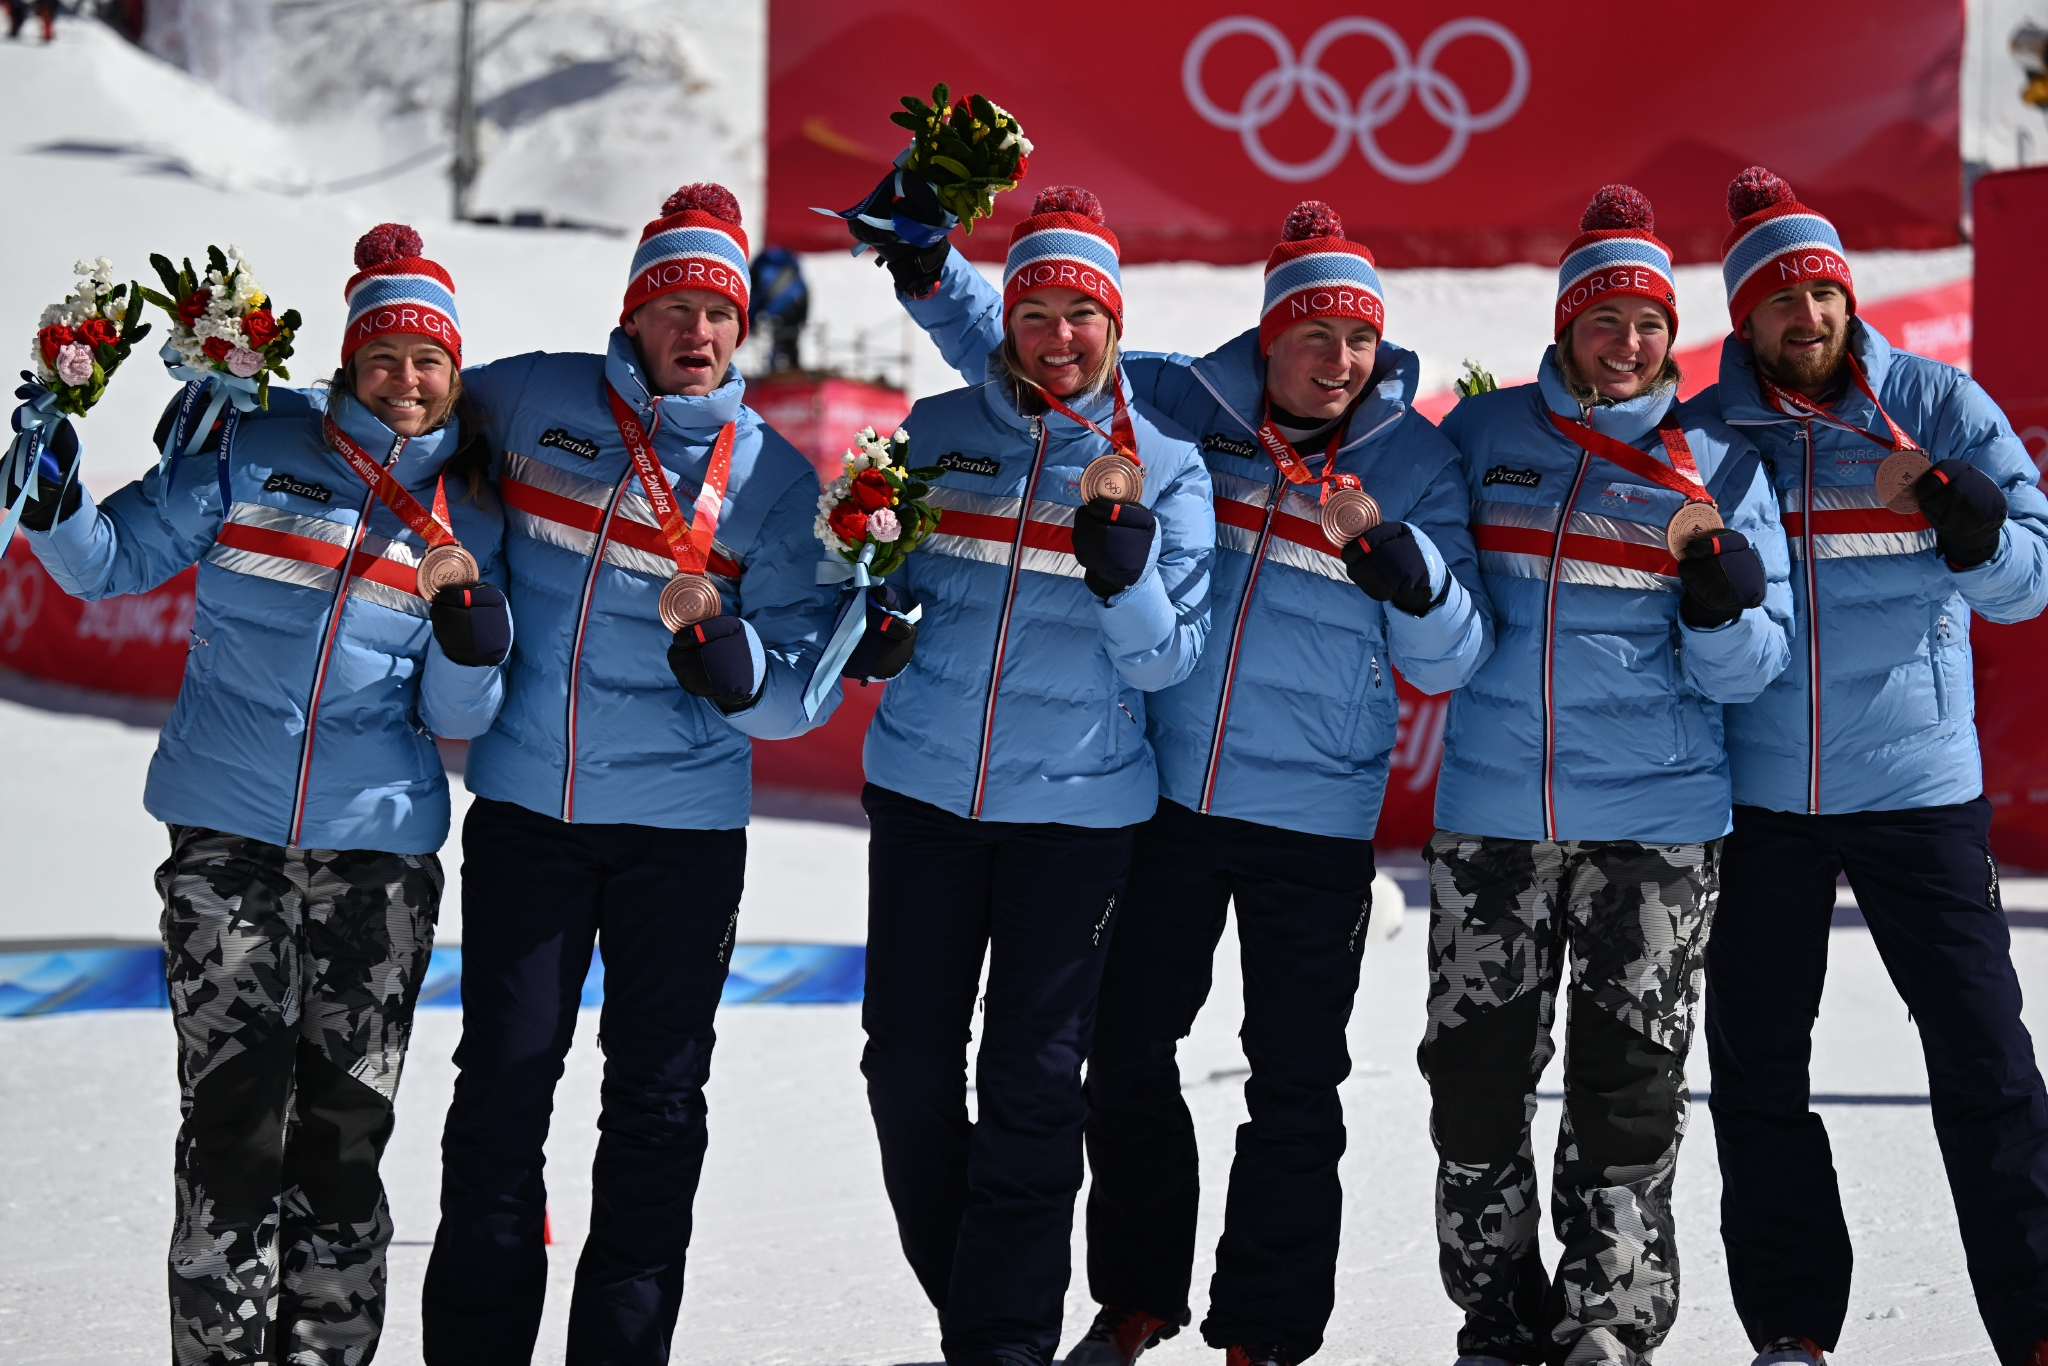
<point x="1615" y="253"/>
<point x="1065" y="243"/>
<point x="396" y="289"/>
<point x="696" y="243"/>
<point x="1316" y="272"/>
<point x="1776" y="241"/>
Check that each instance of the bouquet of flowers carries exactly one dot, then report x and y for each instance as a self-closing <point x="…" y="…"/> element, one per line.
<point x="222" y="324"/>
<point x="1476" y="380"/>
<point x="81" y="341"/>
<point x="875" y="513"/>
<point x="969" y="152"/>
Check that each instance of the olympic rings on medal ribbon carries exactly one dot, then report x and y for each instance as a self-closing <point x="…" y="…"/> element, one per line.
<point x="1383" y="99"/>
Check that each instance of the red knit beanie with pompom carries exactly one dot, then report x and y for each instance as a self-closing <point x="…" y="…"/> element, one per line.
<point x="1317" y="272"/>
<point x="396" y="289"/>
<point x="1615" y="253"/>
<point x="696" y="243"/>
<point x="1065" y="244"/>
<point x="1776" y="241"/>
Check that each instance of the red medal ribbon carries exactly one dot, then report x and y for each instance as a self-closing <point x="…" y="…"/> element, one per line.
<point x="689" y="545"/>
<point x="1682" y="476"/>
<point x="1803" y="406"/>
<point x="1121" y="437"/>
<point x="431" y="528"/>
<point x="1290" y="463"/>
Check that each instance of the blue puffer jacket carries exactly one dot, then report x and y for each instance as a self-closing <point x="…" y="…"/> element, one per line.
<point x="1895" y="709"/>
<point x="1290" y="717"/>
<point x="307" y="713"/>
<point x="595" y="728"/>
<point x="1026" y="698"/>
<point x="1598" y="716"/>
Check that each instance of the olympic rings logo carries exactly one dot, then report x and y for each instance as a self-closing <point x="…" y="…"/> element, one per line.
<point x="1384" y="98"/>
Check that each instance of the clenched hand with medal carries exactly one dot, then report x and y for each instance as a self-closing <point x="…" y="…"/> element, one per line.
<point x="1113" y="531"/>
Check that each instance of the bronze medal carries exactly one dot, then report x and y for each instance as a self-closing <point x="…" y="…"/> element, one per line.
<point x="688" y="599"/>
<point x="446" y="566"/>
<point x="1348" y="514"/>
<point x="1115" y="477"/>
<point x="1896" y="477"/>
<point x="1691" y="520"/>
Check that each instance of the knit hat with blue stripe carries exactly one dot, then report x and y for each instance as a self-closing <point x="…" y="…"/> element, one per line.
<point x="697" y="243"/>
<point x="1316" y="273"/>
<point x="1064" y="244"/>
<point x="395" y="289"/>
<point x="1616" y="253"/>
<point x="1776" y="241"/>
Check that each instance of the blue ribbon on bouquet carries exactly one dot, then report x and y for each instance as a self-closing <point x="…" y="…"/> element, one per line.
<point x="853" y="622"/>
<point x="903" y="203"/>
<point x="25" y="459"/>
<point x="187" y="436"/>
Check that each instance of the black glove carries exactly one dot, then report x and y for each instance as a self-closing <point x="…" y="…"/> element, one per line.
<point x="1113" y="542"/>
<point x="1387" y="562"/>
<point x="915" y="270"/>
<point x="1722" y="576"/>
<point x="473" y="624"/>
<point x="56" y="463"/>
<point x="885" y="647"/>
<point x="1966" y="510"/>
<point x="714" y="659"/>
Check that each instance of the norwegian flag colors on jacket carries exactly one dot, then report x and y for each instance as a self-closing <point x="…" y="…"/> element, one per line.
<point x="1290" y="717"/>
<point x="1598" y="715"/>
<point x="1891" y="723"/>
<point x="314" y="688"/>
<point x="595" y="728"/>
<point x="1027" y="697"/>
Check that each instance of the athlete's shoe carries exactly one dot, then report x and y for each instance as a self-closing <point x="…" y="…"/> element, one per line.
<point x="1791" y="1351"/>
<point x="1255" y="1354"/>
<point x="1118" y="1336"/>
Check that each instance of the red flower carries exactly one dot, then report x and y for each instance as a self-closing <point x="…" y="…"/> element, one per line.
<point x="53" y="337"/>
<point x="261" y="328"/>
<point x="98" y="332"/>
<point x="849" y="523"/>
<point x="870" y="491"/>
<point x="217" y="348"/>
<point x="1022" y="163"/>
<point x="192" y="307"/>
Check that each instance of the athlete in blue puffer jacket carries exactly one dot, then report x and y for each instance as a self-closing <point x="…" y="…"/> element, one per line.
<point x="1273" y="761"/>
<point x="1862" y="759"/>
<point x="612" y="794"/>
<point x="304" y="795"/>
<point x="1008" y="768"/>
<point x="1582" y="802"/>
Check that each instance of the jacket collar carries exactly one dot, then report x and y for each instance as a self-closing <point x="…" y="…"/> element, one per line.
<point x="1628" y="421"/>
<point x="1742" y="395"/>
<point x="1235" y="376"/>
<point x="422" y="457"/>
<point x="692" y="413"/>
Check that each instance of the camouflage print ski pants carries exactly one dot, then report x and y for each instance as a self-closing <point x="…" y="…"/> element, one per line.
<point x="293" y="975"/>
<point x="1506" y="916"/>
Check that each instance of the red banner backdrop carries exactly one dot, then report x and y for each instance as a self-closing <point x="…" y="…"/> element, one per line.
<point x="1454" y="134"/>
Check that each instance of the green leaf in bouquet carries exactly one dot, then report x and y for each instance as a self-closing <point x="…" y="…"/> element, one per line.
<point x="925" y="474"/>
<point x="166" y="272"/>
<point x="911" y="121"/>
<point x="914" y="489"/>
<point x="133" y="315"/>
<point x="167" y="304"/>
<point x="263" y="389"/>
<point x="941" y="96"/>
<point x="217" y="260"/>
<point x="281" y="372"/>
<point x="289" y="320"/>
<point x="955" y="167"/>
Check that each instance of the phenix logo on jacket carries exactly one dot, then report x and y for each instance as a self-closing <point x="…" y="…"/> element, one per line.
<point x="1891" y="722"/>
<point x="1289" y="717"/>
<point x="1027" y="697"/>
<point x="313" y="689"/>
<point x="1599" y="714"/>
<point x="594" y="727"/>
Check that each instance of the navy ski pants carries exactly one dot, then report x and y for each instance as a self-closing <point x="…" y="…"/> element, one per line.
<point x="1928" y="889"/>
<point x="985" y="1209"/>
<point x="1302" y="907"/>
<point x="536" y="894"/>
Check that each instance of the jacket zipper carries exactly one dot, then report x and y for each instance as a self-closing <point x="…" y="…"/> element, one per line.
<point x="1812" y="634"/>
<point x="995" y="673"/>
<point x="604" y="532"/>
<point x="1564" y="521"/>
<point x="333" y="628"/>
<point x="1244" y="607"/>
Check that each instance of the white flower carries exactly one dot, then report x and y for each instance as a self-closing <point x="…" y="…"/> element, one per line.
<point x="74" y="363"/>
<point x="244" y="362"/>
<point x="883" y="526"/>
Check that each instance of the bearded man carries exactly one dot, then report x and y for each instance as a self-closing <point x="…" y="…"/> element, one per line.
<point x="1907" y="504"/>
